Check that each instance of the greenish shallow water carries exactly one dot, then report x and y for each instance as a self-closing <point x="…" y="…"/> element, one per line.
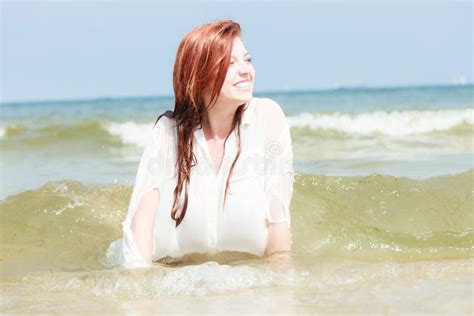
<point x="382" y="211"/>
<point x="354" y="238"/>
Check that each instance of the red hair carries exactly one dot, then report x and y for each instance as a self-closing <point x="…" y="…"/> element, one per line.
<point x="201" y="65"/>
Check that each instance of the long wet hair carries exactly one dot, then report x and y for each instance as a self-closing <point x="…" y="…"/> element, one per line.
<point x="202" y="61"/>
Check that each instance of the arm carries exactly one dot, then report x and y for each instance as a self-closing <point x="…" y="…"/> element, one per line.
<point x="279" y="178"/>
<point x="143" y="222"/>
<point x="279" y="242"/>
<point x="138" y="226"/>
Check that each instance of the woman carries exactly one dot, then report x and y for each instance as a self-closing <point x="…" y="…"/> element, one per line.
<point x="216" y="174"/>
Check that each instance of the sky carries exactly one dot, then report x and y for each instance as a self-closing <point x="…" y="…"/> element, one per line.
<point x="53" y="50"/>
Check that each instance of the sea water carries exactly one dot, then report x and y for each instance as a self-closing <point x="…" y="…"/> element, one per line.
<point x="382" y="211"/>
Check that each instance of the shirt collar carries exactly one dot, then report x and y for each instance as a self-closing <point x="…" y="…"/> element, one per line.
<point x="248" y="117"/>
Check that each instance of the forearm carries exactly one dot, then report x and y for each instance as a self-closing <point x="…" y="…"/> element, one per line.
<point x="279" y="243"/>
<point x="143" y="223"/>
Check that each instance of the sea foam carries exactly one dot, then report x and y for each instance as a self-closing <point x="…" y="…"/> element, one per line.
<point x="392" y="123"/>
<point x="130" y="132"/>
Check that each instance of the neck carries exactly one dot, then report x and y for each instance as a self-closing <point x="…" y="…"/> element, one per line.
<point x="217" y="123"/>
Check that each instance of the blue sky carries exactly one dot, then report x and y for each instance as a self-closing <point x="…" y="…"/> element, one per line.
<point x="88" y="49"/>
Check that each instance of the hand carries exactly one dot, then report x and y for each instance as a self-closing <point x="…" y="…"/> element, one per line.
<point x="279" y="242"/>
<point x="280" y="260"/>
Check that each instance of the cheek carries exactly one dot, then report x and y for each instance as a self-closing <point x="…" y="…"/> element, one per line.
<point x="228" y="83"/>
<point x="230" y="77"/>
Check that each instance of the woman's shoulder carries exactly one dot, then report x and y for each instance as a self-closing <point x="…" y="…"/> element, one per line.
<point x="166" y="117"/>
<point x="269" y="110"/>
<point x="164" y="122"/>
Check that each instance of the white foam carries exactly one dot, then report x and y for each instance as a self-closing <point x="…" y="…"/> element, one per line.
<point x="393" y="123"/>
<point x="2" y="132"/>
<point x="130" y="132"/>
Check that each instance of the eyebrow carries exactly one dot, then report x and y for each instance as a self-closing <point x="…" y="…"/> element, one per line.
<point x="247" y="53"/>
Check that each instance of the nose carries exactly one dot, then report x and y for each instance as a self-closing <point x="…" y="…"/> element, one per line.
<point x="244" y="68"/>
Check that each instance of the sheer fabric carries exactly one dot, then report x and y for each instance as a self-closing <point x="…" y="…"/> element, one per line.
<point x="259" y="193"/>
<point x="279" y="172"/>
<point x="150" y="175"/>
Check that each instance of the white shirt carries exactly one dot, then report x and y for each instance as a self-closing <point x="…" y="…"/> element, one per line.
<point x="260" y="189"/>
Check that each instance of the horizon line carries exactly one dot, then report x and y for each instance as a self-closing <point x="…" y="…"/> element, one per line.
<point x="341" y="88"/>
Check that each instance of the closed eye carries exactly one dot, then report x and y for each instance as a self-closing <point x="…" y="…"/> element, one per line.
<point x="248" y="60"/>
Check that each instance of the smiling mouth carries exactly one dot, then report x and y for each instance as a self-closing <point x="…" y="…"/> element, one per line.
<point x="243" y="85"/>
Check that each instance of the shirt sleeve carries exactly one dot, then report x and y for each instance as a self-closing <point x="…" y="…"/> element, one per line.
<point x="278" y="157"/>
<point x="150" y="175"/>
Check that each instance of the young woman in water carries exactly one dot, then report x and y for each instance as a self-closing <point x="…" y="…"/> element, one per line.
<point x="216" y="174"/>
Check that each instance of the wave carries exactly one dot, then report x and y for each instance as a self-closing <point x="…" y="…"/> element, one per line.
<point x="9" y="130"/>
<point x="383" y="216"/>
<point x="130" y="132"/>
<point x="69" y="225"/>
<point x="88" y="130"/>
<point x="323" y="125"/>
<point x="208" y="279"/>
<point x="391" y="123"/>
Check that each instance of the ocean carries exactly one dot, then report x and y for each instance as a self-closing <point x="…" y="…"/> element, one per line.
<point x="382" y="210"/>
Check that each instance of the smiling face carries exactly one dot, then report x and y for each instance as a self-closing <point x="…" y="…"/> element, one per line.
<point x="240" y="77"/>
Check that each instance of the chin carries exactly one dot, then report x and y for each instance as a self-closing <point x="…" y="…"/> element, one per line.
<point x="244" y="97"/>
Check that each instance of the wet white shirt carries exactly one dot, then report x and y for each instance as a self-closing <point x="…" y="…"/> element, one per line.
<point x="260" y="189"/>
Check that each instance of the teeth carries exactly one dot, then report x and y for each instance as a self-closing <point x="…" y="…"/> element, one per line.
<point x="243" y="85"/>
